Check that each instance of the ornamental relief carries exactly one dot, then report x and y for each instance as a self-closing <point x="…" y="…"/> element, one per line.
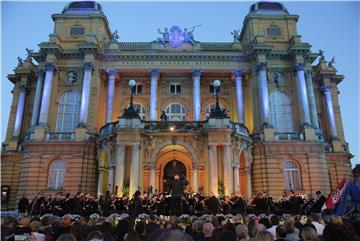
<point x="70" y="76"/>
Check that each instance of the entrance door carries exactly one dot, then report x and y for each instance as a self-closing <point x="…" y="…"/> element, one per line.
<point x="171" y="169"/>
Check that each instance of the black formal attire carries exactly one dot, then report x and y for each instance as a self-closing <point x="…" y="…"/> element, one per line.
<point x="177" y="191"/>
<point x="318" y="204"/>
<point x="213" y="205"/>
<point x="23" y="205"/>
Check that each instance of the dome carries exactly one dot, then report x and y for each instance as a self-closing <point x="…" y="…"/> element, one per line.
<point x="83" y="7"/>
<point x="268" y="8"/>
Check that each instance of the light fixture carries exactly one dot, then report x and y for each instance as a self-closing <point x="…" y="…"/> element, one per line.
<point x="217" y="113"/>
<point x="172" y="128"/>
<point x="130" y="112"/>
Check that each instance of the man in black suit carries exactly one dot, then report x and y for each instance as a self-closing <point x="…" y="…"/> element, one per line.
<point x="23" y="204"/>
<point x="177" y="191"/>
<point x="319" y="202"/>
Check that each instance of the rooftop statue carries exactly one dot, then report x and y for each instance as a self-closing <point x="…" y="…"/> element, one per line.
<point x="29" y="52"/>
<point x="236" y="35"/>
<point x="322" y="56"/>
<point x="20" y="62"/>
<point x="332" y="62"/>
<point x="177" y="37"/>
<point x="115" y="36"/>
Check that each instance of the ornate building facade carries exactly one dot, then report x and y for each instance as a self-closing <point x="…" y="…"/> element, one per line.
<point x="72" y="124"/>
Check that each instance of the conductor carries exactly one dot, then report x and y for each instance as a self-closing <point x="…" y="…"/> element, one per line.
<point x="177" y="191"/>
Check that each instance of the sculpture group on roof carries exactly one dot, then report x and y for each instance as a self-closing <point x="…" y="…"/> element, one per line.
<point x="176" y="37"/>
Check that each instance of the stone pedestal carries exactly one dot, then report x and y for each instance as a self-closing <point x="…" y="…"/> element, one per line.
<point x="12" y="145"/>
<point x="269" y="134"/>
<point x="219" y="123"/>
<point x="39" y="133"/>
<point x="130" y="123"/>
<point x="80" y="134"/>
<point x="337" y="146"/>
<point x="309" y="134"/>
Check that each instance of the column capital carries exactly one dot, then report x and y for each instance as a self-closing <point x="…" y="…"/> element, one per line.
<point x="50" y="66"/>
<point x="88" y="66"/>
<point x="23" y="88"/>
<point x="154" y="72"/>
<point x="326" y="88"/>
<point x="237" y="72"/>
<point x="236" y="165"/>
<point x="195" y="165"/>
<point x="261" y="66"/>
<point x="196" y="72"/>
<point x="109" y="71"/>
<point x="300" y="67"/>
<point x="39" y="70"/>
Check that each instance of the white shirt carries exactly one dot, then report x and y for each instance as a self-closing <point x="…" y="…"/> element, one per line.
<point x="319" y="228"/>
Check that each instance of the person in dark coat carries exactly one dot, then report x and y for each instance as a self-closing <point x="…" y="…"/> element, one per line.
<point x="177" y="191"/>
<point x="212" y="204"/>
<point x="319" y="202"/>
<point x="23" y="204"/>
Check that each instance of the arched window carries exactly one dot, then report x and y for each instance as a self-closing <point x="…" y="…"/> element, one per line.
<point x="56" y="175"/>
<point x="176" y="112"/>
<point x="281" y="112"/>
<point x="209" y="108"/>
<point x="292" y="176"/>
<point x="141" y="111"/>
<point x="68" y="112"/>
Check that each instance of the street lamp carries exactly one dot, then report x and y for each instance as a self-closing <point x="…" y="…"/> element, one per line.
<point x="130" y="112"/>
<point x="132" y="84"/>
<point x="217" y="113"/>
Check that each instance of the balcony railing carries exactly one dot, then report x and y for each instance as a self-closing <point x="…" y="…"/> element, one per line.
<point x="174" y="126"/>
<point x="288" y="136"/>
<point x="59" y="136"/>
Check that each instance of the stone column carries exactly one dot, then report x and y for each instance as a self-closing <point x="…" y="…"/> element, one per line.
<point x="36" y="108"/>
<point x="110" y="95"/>
<point x="213" y="170"/>
<point x="134" y="168"/>
<point x="46" y="95"/>
<point x="19" y="111"/>
<point x="248" y="181"/>
<point x="237" y="177"/>
<point x="111" y="177"/>
<point x="228" y="175"/>
<point x="239" y="95"/>
<point x="153" y="94"/>
<point x="264" y="94"/>
<point x="85" y="96"/>
<point x="302" y="95"/>
<point x="195" y="185"/>
<point x="196" y="94"/>
<point x="329" y="110"/>
<point x="312" y="100"/>
<point x="152" y="175"/>
<point x="119" y="168"/>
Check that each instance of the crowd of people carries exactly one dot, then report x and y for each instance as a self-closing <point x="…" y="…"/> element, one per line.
<point x="207" y="227"/>
<point x="177" y="215"/>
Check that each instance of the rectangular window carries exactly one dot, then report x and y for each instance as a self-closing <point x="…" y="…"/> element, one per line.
<point x="212" y="89"/>
<point x="175" y="89"/>
<point x="76" y="31"/>
<point x="138" y="89"/>
<point x="273" y="31"/>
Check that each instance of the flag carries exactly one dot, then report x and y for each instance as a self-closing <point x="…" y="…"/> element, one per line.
<point x="341" y="206"/>
<point x="334" y="197"/>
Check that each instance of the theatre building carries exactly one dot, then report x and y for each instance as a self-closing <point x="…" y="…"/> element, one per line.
<point x="251" y="114"/>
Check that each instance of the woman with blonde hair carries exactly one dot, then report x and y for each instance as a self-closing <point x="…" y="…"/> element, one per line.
<point x="264" y="236"/>
<point x="308" y="234"/>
